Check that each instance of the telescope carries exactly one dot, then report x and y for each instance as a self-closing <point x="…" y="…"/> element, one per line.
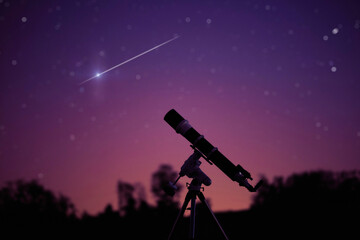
<point x="211" y="154"/>
<point x="191" y="168"/>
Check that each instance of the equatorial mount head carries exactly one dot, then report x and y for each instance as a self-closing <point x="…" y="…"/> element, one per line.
<point x="191" y="169"/>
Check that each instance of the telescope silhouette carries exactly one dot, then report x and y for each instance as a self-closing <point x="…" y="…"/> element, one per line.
<point x="210" y="153"/>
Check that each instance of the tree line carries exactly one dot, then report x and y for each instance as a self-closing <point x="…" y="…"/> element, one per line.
<point x="309" y="204"/>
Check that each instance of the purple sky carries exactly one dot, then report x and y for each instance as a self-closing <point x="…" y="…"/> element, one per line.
<point x="275" y="85"/>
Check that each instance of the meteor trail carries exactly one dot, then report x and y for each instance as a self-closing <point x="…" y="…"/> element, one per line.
<point x="130" y="59"/>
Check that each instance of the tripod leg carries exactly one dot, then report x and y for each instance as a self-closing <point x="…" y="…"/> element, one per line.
<point x="192" y="218"/>
<point x="181" y="213"/>
<point x="202" y="199"/>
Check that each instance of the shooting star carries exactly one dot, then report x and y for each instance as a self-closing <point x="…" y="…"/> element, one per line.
<point x="118" y="65"/>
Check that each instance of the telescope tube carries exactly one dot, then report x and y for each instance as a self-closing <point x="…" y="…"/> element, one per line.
<point x="235" y="173"/>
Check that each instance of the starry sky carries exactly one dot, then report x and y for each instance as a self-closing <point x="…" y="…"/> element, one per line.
<point x="275" y="85"/>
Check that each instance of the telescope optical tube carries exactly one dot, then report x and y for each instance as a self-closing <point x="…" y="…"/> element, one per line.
<point x="182" y="126"/>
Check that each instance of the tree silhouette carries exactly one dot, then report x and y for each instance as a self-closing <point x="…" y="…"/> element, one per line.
<point x="319" y="189"/>
<point x="141" y="203"/>
<point x="161" y="178"/>
<point x="131" y="198"/>
<point x="126" y="198"/>
<point x="322" y="203"/>
<point x="28" y="203"/>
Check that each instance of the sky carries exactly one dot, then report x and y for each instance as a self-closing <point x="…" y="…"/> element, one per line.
<point x="275" y="85"/>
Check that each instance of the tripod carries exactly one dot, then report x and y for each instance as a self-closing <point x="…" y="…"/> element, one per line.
<point x="194" y="191"/>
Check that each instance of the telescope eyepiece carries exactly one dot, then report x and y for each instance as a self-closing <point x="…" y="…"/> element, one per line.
<point x="170" y="189"/>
